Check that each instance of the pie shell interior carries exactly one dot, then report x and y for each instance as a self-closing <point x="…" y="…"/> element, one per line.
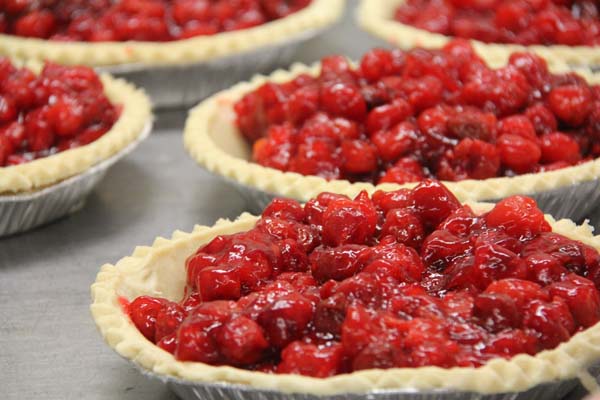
<point x="376" y="17"/>
<point x="43" y="172"/>
<point x="213" y="140"/>
<point x="159" y="270"/>
<point x="319" y="14"/>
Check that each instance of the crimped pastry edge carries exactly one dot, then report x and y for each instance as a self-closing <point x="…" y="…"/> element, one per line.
<point x="159" y="270"/>
<point x="319" y="14"/>
<point x="201" y="129"/>
<point x="44" y="172"/>
<point x="376" y="17"/>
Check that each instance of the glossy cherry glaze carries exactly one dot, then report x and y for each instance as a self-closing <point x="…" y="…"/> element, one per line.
<point x="143" y="20"/>
<point x="403" y="279"/>
<point x="526" y="22"/>
<point x="407" y="116"/>
<point x="61" y="108"/>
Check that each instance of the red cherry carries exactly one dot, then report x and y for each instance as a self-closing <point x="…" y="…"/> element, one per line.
<point x="338" y="263"/>
<point x="405" y="170"/>
<point x="557" y="146"/>
<point x="284" y="208"/>
<point x="581" y="296"/>
<point x="518" y="216"/>
<point x="286" y="319"/>
<point x="66" y="116"/>
<point x="241" y="341"/>
<point x="497" y="311"/>
<point x="518" y="125"/>
<point x="542" y="118"/>
<point x="441" y="248"/>
<point x="311" y="360"/>
<point x="143" y="312"/>
<point x="396" y="142"/>
<point x="551" y="320"/>
<point x="404" y="226"/>
<point x="376" y="64"/>
<point x="433" y="202"/>
<point x="219" y="283"/>
<point x="39" y="24"/>
<point x="386" y="201"/>
<point x="349" y="222"/>
<point x="6" y="149"/>
<point x="168" y="320"/>
<point x="40" y="135"/>
<point x="8" y="109"/>
<point x="388" y="115"/>
<point x="571" y="103"/>
<point x="343" y="100"/>
<point x="519" y="290"/>
<point x="195" y="344"/>
<point x="359" y="156"/>
<point x="518" y="153"/>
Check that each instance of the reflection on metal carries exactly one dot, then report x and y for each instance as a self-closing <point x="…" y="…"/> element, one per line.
<point x="22" y="212"/>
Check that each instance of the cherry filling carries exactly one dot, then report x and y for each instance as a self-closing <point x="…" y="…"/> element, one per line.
<point x="145" y="20"/>
<point x="526" y="22"/>
<point x="61" y="108"/>
<point x="403" y="279"/>
<point x="407" y="116"/>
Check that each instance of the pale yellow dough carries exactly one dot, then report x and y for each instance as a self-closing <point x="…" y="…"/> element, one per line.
<point x="213" y="140"/>
<point x="159" y="270"/>
<point x="376" y="17"/>
<point x="135" y="116"/>
<point x="318" y="15"/>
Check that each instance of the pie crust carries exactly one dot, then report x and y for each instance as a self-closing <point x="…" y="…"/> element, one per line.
<point x="159" y="271"/>
<point x="318" y="15"/>
<point x="214" y="141"/>
<point x="375" y="16"/>
<point x="43" y="172"/>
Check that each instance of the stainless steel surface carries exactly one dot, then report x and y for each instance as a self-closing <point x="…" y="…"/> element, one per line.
<point x="20" y="213"/>
<point x="49" y="347"/>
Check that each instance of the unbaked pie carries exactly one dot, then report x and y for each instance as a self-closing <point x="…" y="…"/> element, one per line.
<point x="154" y="32"/>
<point x="58" y="121"/>
<point x="401" y="117"/>
<point x="380" y="292"/>
<point x="566" y="31"/>
<point x="139" y="20"/>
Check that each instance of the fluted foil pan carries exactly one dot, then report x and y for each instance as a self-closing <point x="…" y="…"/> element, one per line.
<point x="183" y="85"/>
<point x="575" y="202"/>
<point x="23" y="212"/>
<point x="188" y="390"/>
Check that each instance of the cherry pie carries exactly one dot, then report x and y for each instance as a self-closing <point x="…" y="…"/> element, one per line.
<point x="526" y="22"/>
<point x="490" y="130"/>
<point x="403" y="279"/>
<point x="62" y="108"/>
<point x="154" y="32"/>
<point x="402" y="117"/>
<point x="57" y="121"/>
<point x="141" y="20"/>
<point x="562" y="31"/>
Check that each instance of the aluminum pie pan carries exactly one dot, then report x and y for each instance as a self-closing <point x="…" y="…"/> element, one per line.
<point x="189" y="390"/>
<point x="576" y="202"/>
<point x="23" y="212"/>
<point x="173" y="86"/>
